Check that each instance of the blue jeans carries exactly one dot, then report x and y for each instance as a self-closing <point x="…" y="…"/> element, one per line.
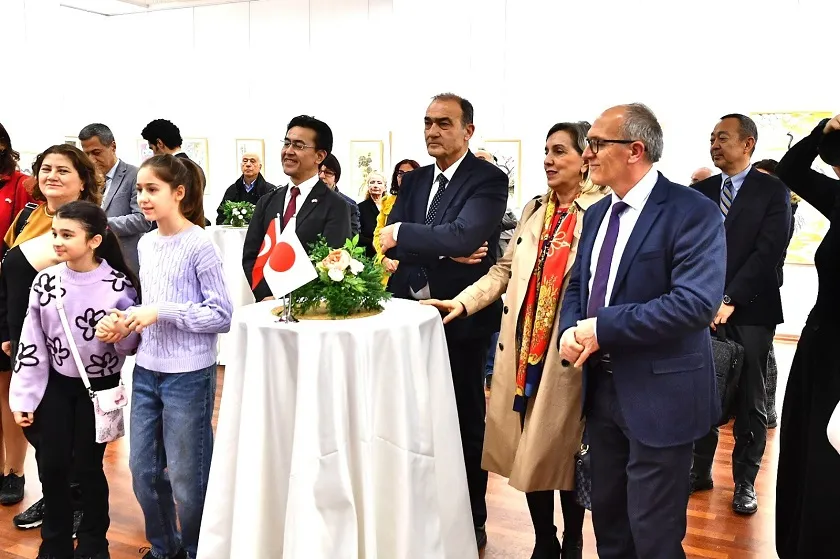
<point x="171" y="448"/>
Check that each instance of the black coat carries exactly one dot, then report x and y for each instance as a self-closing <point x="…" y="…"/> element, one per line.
<point x="237" y="193"/>
<point x="324" y="212"/>
<point x="757" y="233"/>
<point x="368" y="214"/>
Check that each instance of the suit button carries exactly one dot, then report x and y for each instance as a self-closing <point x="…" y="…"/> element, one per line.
<point x="519" y="240"/>
<point x="506" y="309"/>
<point x="501" y="347"/>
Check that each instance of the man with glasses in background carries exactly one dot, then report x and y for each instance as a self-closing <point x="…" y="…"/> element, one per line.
<point x="330" y="174"/>
<point x="317" y="209"/>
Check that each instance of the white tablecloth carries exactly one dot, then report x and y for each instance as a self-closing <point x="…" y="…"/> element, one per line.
<point x="229" y="241"/>
<point x="338" y="439"/>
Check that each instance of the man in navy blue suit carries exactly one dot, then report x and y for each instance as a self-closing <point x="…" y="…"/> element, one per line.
<point x="444" y="231"/>
<point x="645" y="287"/>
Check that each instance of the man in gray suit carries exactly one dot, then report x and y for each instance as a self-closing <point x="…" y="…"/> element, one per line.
<point x="120" y="197"/>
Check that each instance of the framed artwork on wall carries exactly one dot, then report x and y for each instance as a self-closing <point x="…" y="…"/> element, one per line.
<point x="197" y="150"/>
<point x="27" y="161"/>
<point x="366" y="156"/>
<point x="508" y="154"/>
<point x="244" y="146"/>
<point x="143" y="151"/>
<point x="777" y="132"/>
<point x="73" y="141"/>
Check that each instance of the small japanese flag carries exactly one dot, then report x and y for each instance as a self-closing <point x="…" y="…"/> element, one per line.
<point x="288" y="266"/>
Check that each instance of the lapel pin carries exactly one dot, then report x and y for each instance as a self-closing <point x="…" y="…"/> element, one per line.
<point x="314" y="200"/>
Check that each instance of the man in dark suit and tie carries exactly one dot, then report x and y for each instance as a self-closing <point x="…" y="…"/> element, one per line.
<point x="316" y="209"/>
<point x="644" y="288"/>
<point x="755" y="209"/>
<point x="120" y="197"/>
<point x="444" y="214"/>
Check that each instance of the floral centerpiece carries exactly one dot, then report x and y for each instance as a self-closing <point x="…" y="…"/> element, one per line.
<point x="238" y="214"/>
<point x="349" y="283"/>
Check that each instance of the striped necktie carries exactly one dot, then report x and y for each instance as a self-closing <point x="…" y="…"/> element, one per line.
<point x="726" y="197"/>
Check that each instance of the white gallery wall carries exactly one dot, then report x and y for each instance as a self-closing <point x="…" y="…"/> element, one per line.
<point x="369" y="67"/>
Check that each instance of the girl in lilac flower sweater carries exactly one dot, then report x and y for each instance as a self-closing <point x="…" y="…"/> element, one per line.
<point x="47" y="394"/>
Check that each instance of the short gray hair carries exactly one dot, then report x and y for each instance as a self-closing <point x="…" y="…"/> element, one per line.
<point x="640" y="125"/>
<point x="100" y="131"/>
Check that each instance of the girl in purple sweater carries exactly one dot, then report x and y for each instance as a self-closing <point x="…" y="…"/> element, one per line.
<point x="47" y="395"/>
<point x="185" y="305"/>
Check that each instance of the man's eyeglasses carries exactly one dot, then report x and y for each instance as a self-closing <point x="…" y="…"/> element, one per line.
<point x="296" y="145"/>
<point x="595" y="144"/>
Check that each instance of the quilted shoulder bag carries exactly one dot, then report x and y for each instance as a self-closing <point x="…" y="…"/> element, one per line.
<point x="583" y="476"/>
<point x="107" y="404"/>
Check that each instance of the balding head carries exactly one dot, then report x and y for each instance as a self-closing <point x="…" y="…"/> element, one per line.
<point x="251" y="165"/>
<point x="701" y="174"/>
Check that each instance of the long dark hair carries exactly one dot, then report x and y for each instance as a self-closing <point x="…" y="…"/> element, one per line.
<point x="91" y="179"/>
<point x="180" y="171"/>
<point x="94" y="221"/>
<point x="395" y="185"/>
<point x="8" y="157"/>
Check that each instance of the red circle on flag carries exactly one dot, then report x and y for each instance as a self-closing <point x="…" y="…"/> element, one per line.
<point x="282" y="257"/>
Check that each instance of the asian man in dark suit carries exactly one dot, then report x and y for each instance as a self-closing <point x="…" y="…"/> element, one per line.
<point x="755" y="210"/>
<point x="316" y="209"/>
<point x="446" y="216"/>
<point x="120" y="197"/>
<point x="644" y="288"/>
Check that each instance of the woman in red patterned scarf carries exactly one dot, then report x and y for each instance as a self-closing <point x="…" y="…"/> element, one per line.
<point x="534" y="423"/>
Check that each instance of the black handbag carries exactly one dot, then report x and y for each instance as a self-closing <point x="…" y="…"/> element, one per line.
<point x="729" y="360"/>
<point x="583" y="475"/>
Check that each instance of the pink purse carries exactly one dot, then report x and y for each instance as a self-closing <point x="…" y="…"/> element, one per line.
<point x="107" y="404"/>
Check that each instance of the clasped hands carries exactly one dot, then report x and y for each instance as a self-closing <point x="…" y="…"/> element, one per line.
<point x="387" y="242"/>
<point x="579" y="342"/>
<point x="120" y="324"/>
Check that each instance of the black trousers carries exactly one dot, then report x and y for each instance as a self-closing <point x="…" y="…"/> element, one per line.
<point x="750" y="428"/>
<point x="639" y="493"/>
<point x="467" y="359"/>
<point x="64" y="434"/>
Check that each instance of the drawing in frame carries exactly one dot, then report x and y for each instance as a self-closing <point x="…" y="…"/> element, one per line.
<point x="144" y="152"/>
<point x="508" y="154"/>
<point x="366" y="156"/>
<point x="249" y="145"/>
<point x="197" y="150"/>
<point x="73" y="141"/>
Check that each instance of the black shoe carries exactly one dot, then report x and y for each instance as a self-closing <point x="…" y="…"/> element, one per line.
<point x="700" y="483"/>
<point x="480" y="537"/>
<point x="572" y="550"/>
<point x="77" y="521"/>
<point x="12" y="491"/>
<point x="546" y="549"/>
<point x="31" y="517"/>
<point x="182" y="554"/>
<point x="105" y="554"/>
<point x="745" y="501"/>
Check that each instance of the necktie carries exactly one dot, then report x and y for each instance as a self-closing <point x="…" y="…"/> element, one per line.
<point x="598" y="296"/>
<point x="726" y="197"/>
<point x="292" y="207"/>
<point x="433" y="207"/>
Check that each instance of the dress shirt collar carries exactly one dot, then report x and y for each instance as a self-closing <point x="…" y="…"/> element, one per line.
<point x="305" y="187"/>
<point x="450" y="171"/>
<point x="638" y="195"/>
<point x="110" y="174"/>
<point x="249" y="186"/>
<point x="737" y="180"/>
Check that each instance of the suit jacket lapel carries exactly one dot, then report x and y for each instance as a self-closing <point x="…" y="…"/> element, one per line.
<point x="596" y="214"/>
<point x="458" y="179"/>
<point x="643" y="225"/>
<point x="423" y="193"/>
<point x="116" y="183"/>
<point x="281" y="207"/>
<point x="739" y="202"/>
<point x="315" y="196"/>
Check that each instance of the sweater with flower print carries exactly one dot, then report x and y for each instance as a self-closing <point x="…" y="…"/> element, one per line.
<point x="87" y="297"/>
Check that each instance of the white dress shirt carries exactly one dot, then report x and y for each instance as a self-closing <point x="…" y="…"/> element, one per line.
<point x="305" y="188"/>
<point x="109" y="178"/>
<point x="636" y="199"/>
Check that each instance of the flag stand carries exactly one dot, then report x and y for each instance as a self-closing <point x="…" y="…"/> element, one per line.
<point x="287" y="317"/>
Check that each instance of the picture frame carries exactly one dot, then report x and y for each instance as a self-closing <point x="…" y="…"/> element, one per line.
<point x="777" y="132"/>
<point x="144" y="152"/>
<point x="366" y="156"/>
<point x="197" y="149"/>
<point x="508" y="154"/>
<point x="73" y="141"/>
<point x="249" y="145"/>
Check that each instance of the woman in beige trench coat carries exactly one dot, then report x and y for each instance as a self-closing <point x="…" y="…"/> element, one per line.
<point x="534" y="419"/>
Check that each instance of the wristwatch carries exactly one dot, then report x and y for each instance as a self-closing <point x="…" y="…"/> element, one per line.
<point x="727" y="300"/>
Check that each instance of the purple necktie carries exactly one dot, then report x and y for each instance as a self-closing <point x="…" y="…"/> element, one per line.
<point x="598" y="296"/>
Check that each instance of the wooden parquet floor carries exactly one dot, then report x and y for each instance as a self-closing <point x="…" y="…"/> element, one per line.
<point x="714" y="531"/>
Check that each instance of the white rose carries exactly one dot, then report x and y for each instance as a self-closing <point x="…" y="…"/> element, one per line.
<point x="356" y="267"/>
<point x="336" y="275"/>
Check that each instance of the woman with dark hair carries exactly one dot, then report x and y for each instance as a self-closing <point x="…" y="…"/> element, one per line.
<point x="13" y="198"/>
<point x="401" y="168"/>
<point x="534" y="423"/>
<point x="62" y="174"/>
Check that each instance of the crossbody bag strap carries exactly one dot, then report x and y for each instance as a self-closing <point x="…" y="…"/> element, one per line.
<point x="59" y="303"/>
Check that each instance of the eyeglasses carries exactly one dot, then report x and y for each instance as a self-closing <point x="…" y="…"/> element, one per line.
<point x="595" y="144"/>
<point x="401" y="172"/>
<point x="328" y="172"/>
<point x="296" y="145"/>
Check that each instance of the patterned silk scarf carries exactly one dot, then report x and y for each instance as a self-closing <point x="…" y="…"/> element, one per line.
<point x="542" y="298"/>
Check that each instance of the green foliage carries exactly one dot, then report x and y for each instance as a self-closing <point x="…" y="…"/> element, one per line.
<point x="354" y="293"/>
<point x="238" y="214"/>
